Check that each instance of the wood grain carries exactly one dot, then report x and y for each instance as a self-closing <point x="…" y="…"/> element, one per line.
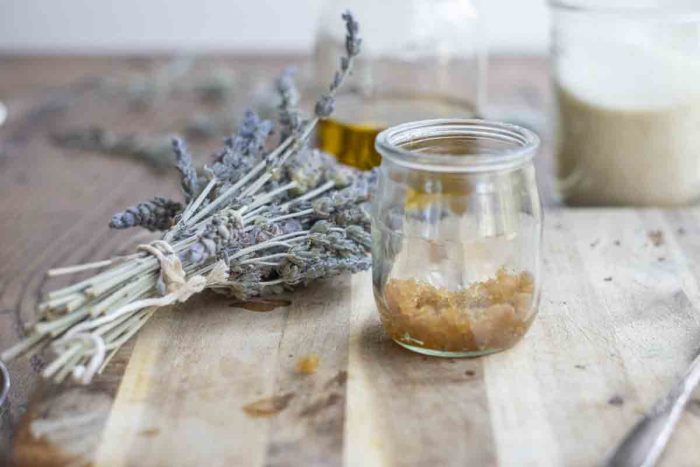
<point x="618" y="320"/>
<point x="617" y="325"/>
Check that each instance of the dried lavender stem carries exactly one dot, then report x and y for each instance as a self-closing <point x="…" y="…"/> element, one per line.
<point x="79" y="286"/>
<point x="140" y="321"/>
<point x="124" y="269"/>
<point x="252" y="213"/>
<point x="113" y="332"/>
<point x="128" y="292"/>
<point x="87" y="266"/>
<point x="128" y="308"/>
<point x="233" y="189"/>
<point x="74" y="269"/>
<point x="56" y="303"/>
<point x="274" y="282"/>
<point x="259" y="258"/>
<point x="191" y="208"/>
<point x="299" y="142"/>
<point x="55" y="365"/>
<point x="260" y="246"/>
<point x="21" y="347"/>
<point x="310" y="194"/>
<point x="112" y="329"/>
<point x="61" y="323"/>
<point x="100" y="288"/>
<point x="131" y="330"/>
<point x="147" y="266"/>
<point x="69" y="364"/>
<point x="267" y="197"/>
<point x="303" y="213"/>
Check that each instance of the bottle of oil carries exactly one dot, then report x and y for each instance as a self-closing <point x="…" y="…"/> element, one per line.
<point x="420" y="59"/>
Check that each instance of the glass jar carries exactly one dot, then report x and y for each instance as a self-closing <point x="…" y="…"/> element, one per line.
<point x="627" y="81"/>
<point x="420" y="59"/>
<point x="456" y="229"/>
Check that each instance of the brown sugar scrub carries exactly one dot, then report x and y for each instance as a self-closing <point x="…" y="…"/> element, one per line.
<point x="485" y="316"/>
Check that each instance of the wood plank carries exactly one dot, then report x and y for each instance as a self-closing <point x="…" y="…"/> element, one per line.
<point x="191" y="372"/>
<point x="651" y="308"/>
<point x="310" y="431"/>
<point x="407" y="409"/>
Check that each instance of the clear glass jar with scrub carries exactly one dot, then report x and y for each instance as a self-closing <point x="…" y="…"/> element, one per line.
<point x="456" y="228"/>
<point x="420" y="59"/>
<point x="627" y="82"/>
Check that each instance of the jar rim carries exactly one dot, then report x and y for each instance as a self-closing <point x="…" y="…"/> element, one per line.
<point x="523" y="145"/>
<point x="688" y="13"/>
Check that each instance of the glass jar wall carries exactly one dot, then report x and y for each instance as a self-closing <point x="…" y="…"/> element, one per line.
<point x="457" y="230"/>
<point x="420" y="59"/>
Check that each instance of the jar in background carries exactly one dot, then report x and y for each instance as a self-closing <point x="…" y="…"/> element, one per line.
<point x="627" y="78"/>
<point x="420" y="59"/>
<point x="456" y="229"/>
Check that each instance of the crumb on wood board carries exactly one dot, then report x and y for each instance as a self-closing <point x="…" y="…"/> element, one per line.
<point x="656" y="237"/>
<point x="268" y="406"/>
<point x="308" y="364"/>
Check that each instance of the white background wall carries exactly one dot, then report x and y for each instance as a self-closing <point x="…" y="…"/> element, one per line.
<point x="514" y="26"/>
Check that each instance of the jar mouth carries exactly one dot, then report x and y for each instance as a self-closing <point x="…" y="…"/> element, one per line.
<point x="457" y="145"/>
<point x="683" y="10"/>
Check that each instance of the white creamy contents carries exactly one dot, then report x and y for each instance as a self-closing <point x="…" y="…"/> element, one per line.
<point x="629" y="126"/>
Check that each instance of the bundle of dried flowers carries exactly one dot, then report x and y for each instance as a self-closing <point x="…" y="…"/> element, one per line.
<point x="255" y="223"/>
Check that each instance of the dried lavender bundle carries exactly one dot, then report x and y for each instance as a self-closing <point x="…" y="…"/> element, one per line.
<point x="258" y="222"/>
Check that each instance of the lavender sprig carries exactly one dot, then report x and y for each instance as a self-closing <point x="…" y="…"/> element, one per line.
<point x="188" y="174"/>
<point x="243" y="149"/>
<point x="156" y="214"/>
<point x="289" y="115"/>
<point x="326" y="103"/>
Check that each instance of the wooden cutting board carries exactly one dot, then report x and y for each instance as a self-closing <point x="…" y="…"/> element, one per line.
<point x="618" y="323"/>
<point x="618" y="320"/>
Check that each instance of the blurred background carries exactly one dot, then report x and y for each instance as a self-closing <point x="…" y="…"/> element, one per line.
<point x="614" y="70"/>
<point x="263" y="26"/>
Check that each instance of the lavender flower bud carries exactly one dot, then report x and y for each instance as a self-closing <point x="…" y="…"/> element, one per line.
<point x="321" y="227"/>
<point x="244" y="149"/>
<point x="352" y="41"/>
<point x="323" y="206"/>
<point x="289" y="118"/>
<point x="325" y="106"/>
<point x="190" y="183"/>
<point x="359" y="235"/>
<point x="157" y="214"/>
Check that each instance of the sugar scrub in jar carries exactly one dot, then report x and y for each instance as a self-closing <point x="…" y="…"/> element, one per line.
<point x="456" y="236"/>
<point x="627" y="78"/>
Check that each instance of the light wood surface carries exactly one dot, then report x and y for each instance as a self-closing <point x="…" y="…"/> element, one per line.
<point x="618" y="321"/>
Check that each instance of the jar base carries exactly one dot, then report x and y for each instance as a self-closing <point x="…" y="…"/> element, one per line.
<point x="446" y="353"/>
